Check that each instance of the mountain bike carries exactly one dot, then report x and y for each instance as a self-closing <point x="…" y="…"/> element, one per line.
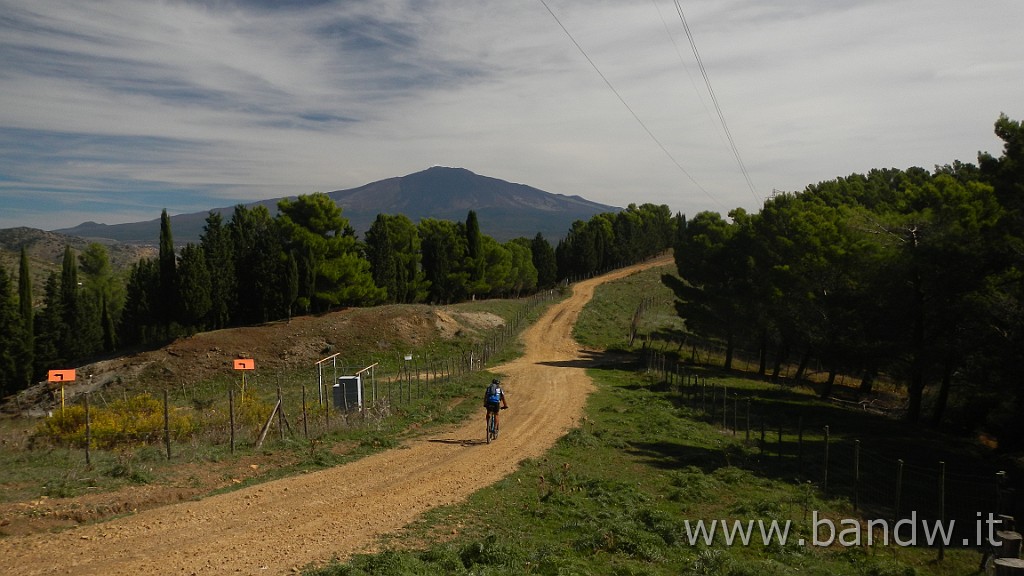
<point x="492" y="425"/>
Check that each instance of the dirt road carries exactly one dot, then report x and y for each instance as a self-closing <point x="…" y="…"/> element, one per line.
<point x="281" y="526"/>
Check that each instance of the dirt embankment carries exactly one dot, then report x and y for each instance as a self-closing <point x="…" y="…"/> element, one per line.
<point x="281" y="526"/>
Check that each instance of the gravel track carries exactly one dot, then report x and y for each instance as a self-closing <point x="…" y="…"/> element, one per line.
<point x="281" y="526"/>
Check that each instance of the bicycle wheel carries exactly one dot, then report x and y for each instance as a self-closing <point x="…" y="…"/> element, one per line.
<point x="490" y="426"/>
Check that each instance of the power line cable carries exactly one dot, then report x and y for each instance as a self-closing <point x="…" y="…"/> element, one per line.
<point x="682" y="62"/>
<point x="714" y="101"/>
<point x="624" y="103"/>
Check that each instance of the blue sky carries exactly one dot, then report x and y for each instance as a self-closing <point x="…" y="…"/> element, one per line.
<point x="112" y="110"/>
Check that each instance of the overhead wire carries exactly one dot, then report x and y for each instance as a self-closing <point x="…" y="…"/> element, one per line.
<point x="628" y="107"/>
<point x="682" y="62"/>
<point x="714" y="101"/>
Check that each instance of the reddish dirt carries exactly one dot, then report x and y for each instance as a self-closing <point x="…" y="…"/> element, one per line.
<point x="281" y="526"/>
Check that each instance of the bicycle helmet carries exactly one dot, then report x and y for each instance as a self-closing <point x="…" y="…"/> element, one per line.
<point x="495" y="382"/>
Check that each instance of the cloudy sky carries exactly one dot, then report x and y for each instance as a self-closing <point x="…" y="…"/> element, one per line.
<point x="111" y="110"/>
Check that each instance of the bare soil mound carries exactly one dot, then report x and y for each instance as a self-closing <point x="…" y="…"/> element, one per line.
<point x="295" y="343"/>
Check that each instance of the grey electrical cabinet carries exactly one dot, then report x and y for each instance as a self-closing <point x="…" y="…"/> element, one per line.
<point x="348" y="393"/>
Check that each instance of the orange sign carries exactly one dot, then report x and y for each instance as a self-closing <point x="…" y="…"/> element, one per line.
<point x="245" y="364"/>
<point x="61" y="376"/>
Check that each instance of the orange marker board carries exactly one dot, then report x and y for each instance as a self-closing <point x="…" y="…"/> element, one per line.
<point x="61" y="376"/>
<point x="245" y="364"/>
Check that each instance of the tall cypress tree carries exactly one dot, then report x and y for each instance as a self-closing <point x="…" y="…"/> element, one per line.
<point x="139" y="320"/>
<point x="193" y="287"/>
<point x="168" y="273"/>
<point x="380" y="252"/>
<point x="216" y="244"/>
<point x="475" y="261"/>
<point x="544" y="261"/>
<point x="27" y="319"/>
<point x="70" y="339"/>
<point x="48" y="329"/>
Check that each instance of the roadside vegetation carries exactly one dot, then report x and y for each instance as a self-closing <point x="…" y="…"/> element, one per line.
<point x="614" y="496"/>
<point x="44" y="467"/>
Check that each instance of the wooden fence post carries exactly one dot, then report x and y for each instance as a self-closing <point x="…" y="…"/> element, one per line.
<point x="167" y="425"/>
<point x="305" y="425"/>
<point x="280" y="415"/>
<point x="88" y="431"/>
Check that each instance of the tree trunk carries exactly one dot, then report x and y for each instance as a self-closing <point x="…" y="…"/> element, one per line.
<point x="780" y="359"/>
<point x="943" y="398"/>
<point x="915" y="389"/>
<point x="762" y="366"/>
<point x="802" y="368"/>
<point x="1009" y="566"/>
<point x="867" y="381"/>
<point x="826" y="390"/>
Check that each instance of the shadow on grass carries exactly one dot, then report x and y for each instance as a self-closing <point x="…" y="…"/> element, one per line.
<point x="595" y="359"/>
<point x="885" y="468"/>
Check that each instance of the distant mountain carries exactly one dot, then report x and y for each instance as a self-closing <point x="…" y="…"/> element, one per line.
<point x="505" y="210"/>
<point x="45" y="252"/>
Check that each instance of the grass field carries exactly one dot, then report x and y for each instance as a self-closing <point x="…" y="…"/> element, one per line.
<point x="622" y="494"/>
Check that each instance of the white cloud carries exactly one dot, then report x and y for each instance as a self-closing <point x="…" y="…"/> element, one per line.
<point x="108" y="103"/>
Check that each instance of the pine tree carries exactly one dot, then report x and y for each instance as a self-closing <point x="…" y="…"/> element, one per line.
<point x="11" y="338"/>
<point x="313" y="225"/>
<point x="103" y="297"/>
<point x="27" y="320"/>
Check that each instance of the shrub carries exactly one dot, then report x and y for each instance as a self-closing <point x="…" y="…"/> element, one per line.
<point x="132" y="421"/>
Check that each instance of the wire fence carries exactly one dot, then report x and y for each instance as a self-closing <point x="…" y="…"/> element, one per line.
<point x="885" y="468"/>
<point x="255" y="407"/>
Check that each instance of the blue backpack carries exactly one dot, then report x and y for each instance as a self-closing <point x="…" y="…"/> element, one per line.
<point x="493" y="395"/>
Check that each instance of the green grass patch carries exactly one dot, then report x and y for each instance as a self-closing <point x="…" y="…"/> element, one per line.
<point x="606" y="320"/>
<point x="622" y="493"/>
<point x="614" y="496"/>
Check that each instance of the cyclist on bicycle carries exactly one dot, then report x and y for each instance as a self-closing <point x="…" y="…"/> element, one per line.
<point x="494" y="400"/>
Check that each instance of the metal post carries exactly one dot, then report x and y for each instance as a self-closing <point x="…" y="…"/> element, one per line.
<point x="231" y="416"/>
<point x="942" y="505"/>
<point x="825" y="475"/>
<point x="725" y="407"/>
<point x="856" y="474"/>
<point x="748" y="419"/>
<point x="899" y="486"/>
